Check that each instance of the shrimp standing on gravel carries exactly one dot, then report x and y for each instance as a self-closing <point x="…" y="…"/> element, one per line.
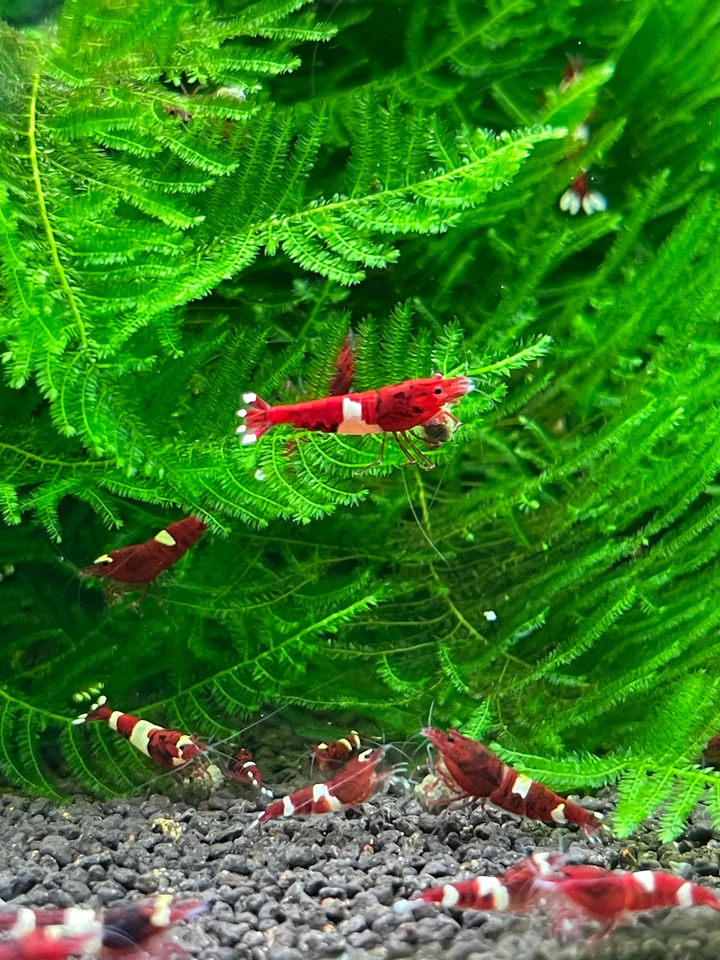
<point x="354" y="784"/>
<point x="469" y="769"/>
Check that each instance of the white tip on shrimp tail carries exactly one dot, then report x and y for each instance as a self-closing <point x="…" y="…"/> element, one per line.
<point x="81" y="719"/>
<point x="248" y="438"/>
<point x="249" y="397"/>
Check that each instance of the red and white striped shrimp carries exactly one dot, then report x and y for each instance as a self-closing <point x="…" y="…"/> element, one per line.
<point x="394" y="409"/>
<point x="142" y="563"/>
<point x="612" y="896"/>
<point x="135" y="930"/>
<point x="335" y="753"/>
<point x="242" y="767"/>
<point x="78" y="932"/>
<point x="139" y="930"/>
<point x="469" y="769"/>
<point x="169" y="748"/>
<point x="514" y="891"/>
<point x="354" y="784"/>
<point x="570" y="892"/>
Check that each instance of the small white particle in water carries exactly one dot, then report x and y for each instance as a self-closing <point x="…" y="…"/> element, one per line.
<point x="490" y="615"/>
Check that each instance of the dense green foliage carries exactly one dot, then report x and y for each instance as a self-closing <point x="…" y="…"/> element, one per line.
<point x="201" y="198"/>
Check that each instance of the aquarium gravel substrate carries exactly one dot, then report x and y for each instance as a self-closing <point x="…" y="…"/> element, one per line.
<point x="305" y="890"/>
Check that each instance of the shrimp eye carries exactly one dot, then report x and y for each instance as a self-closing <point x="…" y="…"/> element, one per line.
<point x="437" y="390"/>
<point x="450" y="738"/>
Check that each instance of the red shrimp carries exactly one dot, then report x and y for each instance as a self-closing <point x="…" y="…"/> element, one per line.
<point x="129" y="931"/>
<point x="354" y="784"/>
<point x="611" y="896"/>
<point x="515" y="891"/>
<point x="143" y="562"/>
<point x="169" y="748"/>
<point x="243" y="768"/>
<point x="711" y="753"/>
<point x="470" y="769"/>
<point x="344" y="369"/>
<point x="140" y="930"/>
<point x="335" y="753"/>
<point x="78" y="932"/>
<point x="580" y="196"/>
<point x="395" y="409"/>
<point x="573" y="72"/>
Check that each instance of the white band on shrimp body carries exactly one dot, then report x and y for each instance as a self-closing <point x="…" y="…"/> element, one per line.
<point x="522" y="785"/>
<point x="645" y="879"/>
<point x="684" y="895"/>
<point x="352" y="409"/>
<point x="352" y="422"/>
<point x="24" y="922"/>
<point x="492" y="887"/>
<point x="140" y="736"/>
<point x="320" y="791"/>
<point x="450" y="896"/>
<point x="113" y="719"/>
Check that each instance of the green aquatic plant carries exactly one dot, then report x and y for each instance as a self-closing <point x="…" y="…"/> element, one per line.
<point x="201" y="199"/>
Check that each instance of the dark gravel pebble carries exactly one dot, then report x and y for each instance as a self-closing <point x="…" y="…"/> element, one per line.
<point x="325" y="888"/>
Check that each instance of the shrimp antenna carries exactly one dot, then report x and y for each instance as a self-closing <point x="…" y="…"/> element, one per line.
<point x="436" y="491"/>
<point x="423" y="531"/>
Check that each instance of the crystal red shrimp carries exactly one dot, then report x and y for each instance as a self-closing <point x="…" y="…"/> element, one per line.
<point x="335" y="753"/>
<point x="470" y="769"/>
<point x="127" y="932"/>
<point x="354" y="784"/>
<point x="583" y="891"/>
<point x="140" y="929"/>
<point x="515" y="891"/>
<point x="394" y="409"/>
<point x="611" y="896"/>
<point x="78" y="932"/>
<point x="242" y="767"/>
<point x="169" y="748"/>
<point x="142" y="563"/>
